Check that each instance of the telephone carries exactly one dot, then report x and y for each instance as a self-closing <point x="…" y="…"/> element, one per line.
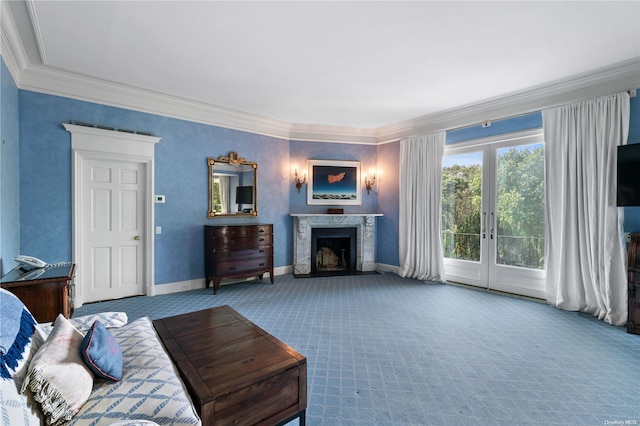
<point x="31" y="261"/>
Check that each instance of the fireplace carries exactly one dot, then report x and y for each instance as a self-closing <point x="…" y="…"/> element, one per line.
<point x="333" y="251"/>
<point x="304" y="257"/>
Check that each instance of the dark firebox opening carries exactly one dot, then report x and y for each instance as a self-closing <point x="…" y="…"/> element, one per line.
<point x="333" y="251"/>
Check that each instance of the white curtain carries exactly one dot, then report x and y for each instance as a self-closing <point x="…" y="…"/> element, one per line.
<point x="585" y="260"/>
<point x="224" y="194"/>
<point x="420" y="208"/>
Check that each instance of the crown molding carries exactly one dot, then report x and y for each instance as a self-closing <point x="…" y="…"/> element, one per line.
<point x="55" y="82"/>
<point x="601" y="82"/>
<point x="332" y="134"/>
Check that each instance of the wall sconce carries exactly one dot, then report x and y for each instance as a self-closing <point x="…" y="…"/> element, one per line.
<point x="299" y="182"/>
<point x="368" y="183"/>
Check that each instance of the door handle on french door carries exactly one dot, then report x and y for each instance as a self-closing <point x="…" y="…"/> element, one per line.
<point x="492" y="222"/>
<point x="484" y="225"/>
<point x="137" y="238"/>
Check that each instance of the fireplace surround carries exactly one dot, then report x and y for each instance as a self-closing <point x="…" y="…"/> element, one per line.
<point x="364" y="224"/>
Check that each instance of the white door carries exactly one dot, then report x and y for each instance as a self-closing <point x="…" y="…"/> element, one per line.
<point x="113" y="215"/>
<point x="493" y="214"/>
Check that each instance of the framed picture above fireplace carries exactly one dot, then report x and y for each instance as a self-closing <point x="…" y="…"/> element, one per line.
<point x="333" y="182"/>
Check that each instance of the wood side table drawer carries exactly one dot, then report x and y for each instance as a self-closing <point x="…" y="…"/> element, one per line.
<point x="243" y="242"/>
<point x="240" y="231"/>
<point x="45" y="296"/>
<point x="229" y="268"/>
<point x="250" y="253"/>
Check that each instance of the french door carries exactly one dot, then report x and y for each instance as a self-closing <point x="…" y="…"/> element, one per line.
<point x="493" y="213"/>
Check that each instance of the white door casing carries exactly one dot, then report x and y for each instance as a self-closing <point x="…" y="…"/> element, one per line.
<point x="131" y="154"/>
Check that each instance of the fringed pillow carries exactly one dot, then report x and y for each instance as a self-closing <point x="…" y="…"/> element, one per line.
<point x="57" y="377"/>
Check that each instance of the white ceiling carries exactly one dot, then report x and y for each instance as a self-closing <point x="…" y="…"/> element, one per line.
<point x="359" y="64"/>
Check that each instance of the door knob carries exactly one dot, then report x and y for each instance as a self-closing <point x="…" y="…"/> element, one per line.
<point x="137" y="238"/>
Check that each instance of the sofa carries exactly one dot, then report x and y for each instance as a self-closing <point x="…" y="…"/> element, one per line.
<point x="93" y="370"/>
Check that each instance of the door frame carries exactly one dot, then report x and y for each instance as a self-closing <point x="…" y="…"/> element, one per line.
<point x="112" y="145"/>
<point x="527" y="282"/>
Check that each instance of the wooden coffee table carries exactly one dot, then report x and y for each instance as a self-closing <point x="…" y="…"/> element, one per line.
<point x="236" y="373"/>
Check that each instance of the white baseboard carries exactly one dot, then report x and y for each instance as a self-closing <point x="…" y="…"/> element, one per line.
<point x="178" y="286"/>
<point x="388" y="268"/>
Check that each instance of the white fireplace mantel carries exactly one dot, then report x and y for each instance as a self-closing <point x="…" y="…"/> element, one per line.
<point x="365" y="223"/>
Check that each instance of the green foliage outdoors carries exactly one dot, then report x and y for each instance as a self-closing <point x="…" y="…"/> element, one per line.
<point x="520" y="209"/>
<point x="217" y="204"/>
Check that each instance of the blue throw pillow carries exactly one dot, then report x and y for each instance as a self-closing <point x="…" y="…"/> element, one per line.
<point x="102" y="354"/>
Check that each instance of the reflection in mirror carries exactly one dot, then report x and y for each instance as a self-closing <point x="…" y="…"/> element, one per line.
<point x="232" y="186"/>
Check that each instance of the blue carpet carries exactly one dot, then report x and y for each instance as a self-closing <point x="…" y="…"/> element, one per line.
<point x="383" y="350"/>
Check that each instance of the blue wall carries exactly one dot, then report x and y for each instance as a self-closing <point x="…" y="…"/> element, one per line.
<point x="498" y="127"/>
<point x="300" y="152"/>
<point x="9" y="171"/>
<point x="43" y="217"/>
<point x="388" y="192"/>
<point x="180" y="174"/>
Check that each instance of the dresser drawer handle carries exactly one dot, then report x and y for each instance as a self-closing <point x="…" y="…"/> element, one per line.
<point x="260" y="239"/>
<point x="261" y="251"/>
<point x="261" y="231"/>
<point x="232" y="268"/>
<point x="262" y="264"/>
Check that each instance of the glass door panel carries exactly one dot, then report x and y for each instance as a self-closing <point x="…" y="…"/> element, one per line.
<point x="520" y="207"/>
<point x="462" y="216"/>
<point x="493" y="215"/>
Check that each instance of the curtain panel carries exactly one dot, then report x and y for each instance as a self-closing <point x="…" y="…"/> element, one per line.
<point x="420" y="208"/>
<point x="585" y="249"/>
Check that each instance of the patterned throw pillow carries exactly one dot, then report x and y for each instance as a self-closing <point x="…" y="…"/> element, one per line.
<point x="57" y="377"/>
<point x="101" y="353"/>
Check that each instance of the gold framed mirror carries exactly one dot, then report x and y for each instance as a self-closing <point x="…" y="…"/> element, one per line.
<point x="233" y="186"/>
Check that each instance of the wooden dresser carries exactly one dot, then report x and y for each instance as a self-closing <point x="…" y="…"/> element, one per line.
<point x="633" y="282"/>
<point x="237" y="251"/>
<point x="45" y="292"/>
